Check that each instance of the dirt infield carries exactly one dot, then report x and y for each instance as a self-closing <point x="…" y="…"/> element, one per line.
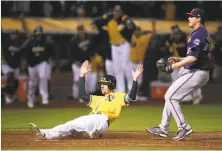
<point x="113" y="140"/>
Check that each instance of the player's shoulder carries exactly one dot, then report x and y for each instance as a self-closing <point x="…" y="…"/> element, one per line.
<point x="107" y="16"/>
<point x="96" y="97"/>
<point x="120" y="93"/>
<point x="199" y="35"/>
<point x="200" y="32"/>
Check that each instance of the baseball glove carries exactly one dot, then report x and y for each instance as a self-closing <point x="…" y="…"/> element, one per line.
<point x="164" y="65"/>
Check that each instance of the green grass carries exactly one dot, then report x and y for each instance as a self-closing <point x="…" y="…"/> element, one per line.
<point x="133" y="118"/>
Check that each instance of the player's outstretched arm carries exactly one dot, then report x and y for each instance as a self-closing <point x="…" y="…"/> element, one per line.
<point x="83" y="71"/>
<point x="132" y="94"/>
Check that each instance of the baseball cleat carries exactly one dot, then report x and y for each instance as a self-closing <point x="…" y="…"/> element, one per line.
<point x="8" y="100"/>
<point x="182" y="133"/>
<point x="30" y="104"/>
<point x="197" y="100"/>
<point x="45" y="102"/>
<point x="95" y="134"/>
<point x="33" y="128"/>
<point x="85" y="135"/>
<point x="157" y="131"/>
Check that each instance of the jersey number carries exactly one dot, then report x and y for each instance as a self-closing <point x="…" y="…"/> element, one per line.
<point x="206" y="47"/>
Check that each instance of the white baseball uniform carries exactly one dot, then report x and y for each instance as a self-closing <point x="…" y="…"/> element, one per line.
<point x="6" y="69"/>
<point x="38" y="73"/>
<point x="87" y="123"/>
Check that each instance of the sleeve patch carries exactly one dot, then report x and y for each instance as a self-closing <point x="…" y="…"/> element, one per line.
<point x="196" y="42"/>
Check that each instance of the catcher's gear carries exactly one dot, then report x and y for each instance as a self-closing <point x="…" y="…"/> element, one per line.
<point x="164" y="65"/>
<point x="110" y="80"/>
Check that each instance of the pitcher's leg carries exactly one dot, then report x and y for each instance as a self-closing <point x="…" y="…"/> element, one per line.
<point x="165" y="121"/>
<point x="177" y="91"/>
<point x="197" y="96"/>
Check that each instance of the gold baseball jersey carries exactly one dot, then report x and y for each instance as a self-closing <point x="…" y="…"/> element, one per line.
<point x="114" y="29"/>
<point x="110" y="104"/>
<point x="137" y="53"/>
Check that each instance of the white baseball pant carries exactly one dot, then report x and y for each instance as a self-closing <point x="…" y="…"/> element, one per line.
<point x="109" y="67"/>
<point x="91" y="81"/>
<point x="6" y="69"/>
<point x="87" y="123"/>
<point x="121" y="65"/>
<point x="196" y="93"/>
<point x="49" y="71"/>
<point x="184" y="85"/>
<point x="38" y="73"/>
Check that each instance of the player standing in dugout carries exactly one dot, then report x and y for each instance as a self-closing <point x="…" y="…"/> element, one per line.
<point x="37" y="52"/>
<point x="81" y="49"/>
<point x="139" y="45"/>
<point x="120" y="29"/>
<point x="10" y="65"/>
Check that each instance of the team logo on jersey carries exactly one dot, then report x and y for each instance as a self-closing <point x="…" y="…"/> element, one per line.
<point x="84" y="45"/>
<point x="13" y="49"/>
<point x="38" y="49"/>
<point x="111" y="97"/>
<point x="196" y="42"/>
<point x="188" y="51"/>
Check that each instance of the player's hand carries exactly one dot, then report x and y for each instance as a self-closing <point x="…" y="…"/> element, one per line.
<point x="120" y="27"/>
<point x="137" y="73"/>
<point x="85" y="68"/>
<point x="173" y="59"/>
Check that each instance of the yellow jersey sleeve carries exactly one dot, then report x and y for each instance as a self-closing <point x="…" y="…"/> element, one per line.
<point x="94" y="99"/>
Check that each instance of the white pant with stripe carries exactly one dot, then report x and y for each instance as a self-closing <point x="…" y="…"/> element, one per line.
<point x="196" y="93"/>
<point x="183" y="86"/>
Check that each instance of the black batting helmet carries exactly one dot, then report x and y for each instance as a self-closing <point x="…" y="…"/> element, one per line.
<point x="38" y="30"/>
<point x="110" y="80"/>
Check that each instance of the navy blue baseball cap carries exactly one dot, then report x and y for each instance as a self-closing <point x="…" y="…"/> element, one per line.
<point x="196" y="12"/>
